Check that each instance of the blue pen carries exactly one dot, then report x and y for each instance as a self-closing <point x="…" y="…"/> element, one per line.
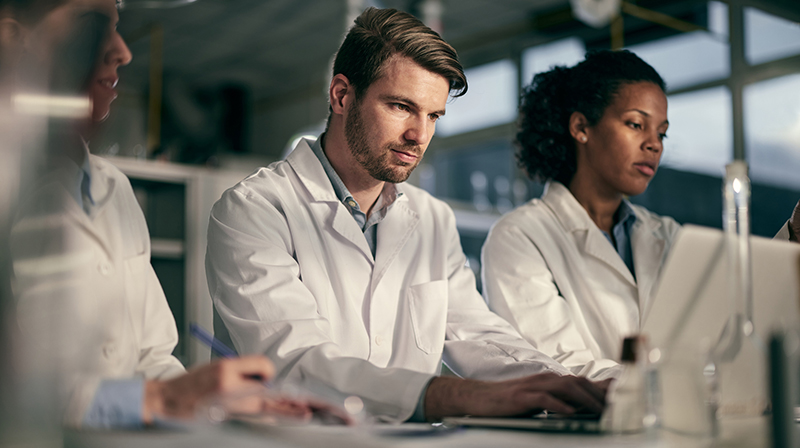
<point x="209" y="340"/>
<point x="218" y="347"/>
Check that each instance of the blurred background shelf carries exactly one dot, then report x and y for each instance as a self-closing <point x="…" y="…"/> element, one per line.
<point x="167" y="248"/>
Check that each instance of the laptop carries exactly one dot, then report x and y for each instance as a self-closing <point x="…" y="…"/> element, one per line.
<point x="547" y="422"/>
<point x="689" y="312"/>
<point x="693" y="302"/>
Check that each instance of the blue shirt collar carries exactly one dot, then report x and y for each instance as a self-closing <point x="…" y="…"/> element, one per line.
<point x="625" y="218"/>
<point x="625" y="215"/>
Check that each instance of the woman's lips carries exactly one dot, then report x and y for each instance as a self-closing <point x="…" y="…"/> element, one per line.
<point x="645" y="168"/>
<point x="108" y="83"/>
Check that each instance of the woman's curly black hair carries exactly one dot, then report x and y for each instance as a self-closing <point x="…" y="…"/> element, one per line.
<point x="546" y="149"/>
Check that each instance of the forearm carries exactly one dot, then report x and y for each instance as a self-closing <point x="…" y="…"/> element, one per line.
<point x="449" y="396"/>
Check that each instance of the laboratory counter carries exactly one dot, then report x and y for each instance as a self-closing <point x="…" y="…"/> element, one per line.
<point x="745" y="433"/>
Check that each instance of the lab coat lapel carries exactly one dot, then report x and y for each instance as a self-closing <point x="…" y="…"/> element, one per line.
<point x="577" y="221"/>
<point x="598" y="246"/>
<point x="335" y="215"/>
<point x="345" y="225"/>
<point x="102" y="190"/>
<point x="647" y="246"/>
<point x="393" y="233"/>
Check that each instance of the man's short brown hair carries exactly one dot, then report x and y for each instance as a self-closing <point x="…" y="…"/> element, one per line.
<point x="379" y="34"/>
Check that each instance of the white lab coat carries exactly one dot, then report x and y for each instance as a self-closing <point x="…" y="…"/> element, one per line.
<point x="89" y="304"/>
<point x="292" y="277"/>
<point x="549" y="270"/>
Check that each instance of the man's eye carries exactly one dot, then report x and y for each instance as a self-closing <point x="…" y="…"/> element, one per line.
<point x="400" y="106"/>
<point x="434" y="117"/>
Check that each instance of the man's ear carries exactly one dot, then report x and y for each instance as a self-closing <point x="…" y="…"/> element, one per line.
<point x="578" y="127"/>
<point x="340" y="93"/>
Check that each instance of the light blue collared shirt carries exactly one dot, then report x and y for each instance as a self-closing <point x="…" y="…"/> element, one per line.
<point x="369" y="226"/>
<point x="382" y="206"/>
<point x="79" y="183"/>
<point x="625" y="218"/>
<point x="116" y="404"/>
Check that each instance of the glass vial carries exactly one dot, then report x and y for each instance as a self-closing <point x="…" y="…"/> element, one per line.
<point x="739" y="353"/>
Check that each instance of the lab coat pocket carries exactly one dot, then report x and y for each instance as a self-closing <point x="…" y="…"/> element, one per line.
<point x="428" y="309"/>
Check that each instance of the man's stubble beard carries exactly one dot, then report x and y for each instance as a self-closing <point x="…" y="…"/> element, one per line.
<point x="377" y="165"/>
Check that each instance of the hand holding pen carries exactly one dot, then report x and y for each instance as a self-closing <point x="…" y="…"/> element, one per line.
<point x="269" y="407"/>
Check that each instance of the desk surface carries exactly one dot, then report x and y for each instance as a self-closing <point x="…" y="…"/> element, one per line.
<point x="735" y="434"/>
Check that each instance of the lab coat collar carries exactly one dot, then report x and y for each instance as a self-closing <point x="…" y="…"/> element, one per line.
<point x="62" y="201"/>
<point x="102" y="190"/>
<point x="576" y="220"/>
<point x="393" y="231"/>
<point x="310" y="171"/>
<point x="646" y="239"/>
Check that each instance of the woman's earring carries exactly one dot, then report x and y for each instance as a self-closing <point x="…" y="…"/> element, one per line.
<point x="583" y="138"/>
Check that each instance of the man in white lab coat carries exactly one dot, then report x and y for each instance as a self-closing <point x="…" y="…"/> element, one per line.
<point x="350" y="279"/>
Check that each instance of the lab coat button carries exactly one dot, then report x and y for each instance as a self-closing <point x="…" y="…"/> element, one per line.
<point x="378" y="340"/>
<point x="108" y="350"/>
<point x="104" y="268"/>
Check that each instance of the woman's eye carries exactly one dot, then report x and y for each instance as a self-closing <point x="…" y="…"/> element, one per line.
<point x="634" y="125"/>
<point x="662" y="136"/>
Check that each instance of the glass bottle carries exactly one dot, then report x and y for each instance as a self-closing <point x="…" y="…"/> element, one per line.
<point x="625" y="403"/>
<point x="739" y="353"/>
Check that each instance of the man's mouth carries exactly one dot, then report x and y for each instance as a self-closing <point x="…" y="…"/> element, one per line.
<point x="405" y="156"/>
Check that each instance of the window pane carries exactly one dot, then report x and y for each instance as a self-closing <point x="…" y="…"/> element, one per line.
<point x="543" y="57"/>
<point x="491" y="100"/>
<point x="768" y="37"/>
<point x="772" y="131"/>
<point x="687" y="59"/>
<point x="718" y="18"/>
<point x="700" y="135"/>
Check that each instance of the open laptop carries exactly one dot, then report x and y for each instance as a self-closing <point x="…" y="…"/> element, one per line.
<point x="578" y="423"/>
<point x="693" y="301"/>
<point x="689" y="312"/>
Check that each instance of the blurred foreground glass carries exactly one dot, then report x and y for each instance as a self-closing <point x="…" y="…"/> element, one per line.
<point x="739" y="353"/>
<point x="690" y="376"/>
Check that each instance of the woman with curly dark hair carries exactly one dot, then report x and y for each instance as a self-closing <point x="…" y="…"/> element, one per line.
<point x="574" y="270"/>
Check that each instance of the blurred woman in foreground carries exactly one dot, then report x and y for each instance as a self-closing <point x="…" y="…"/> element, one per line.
<point x="89" y="305"/>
